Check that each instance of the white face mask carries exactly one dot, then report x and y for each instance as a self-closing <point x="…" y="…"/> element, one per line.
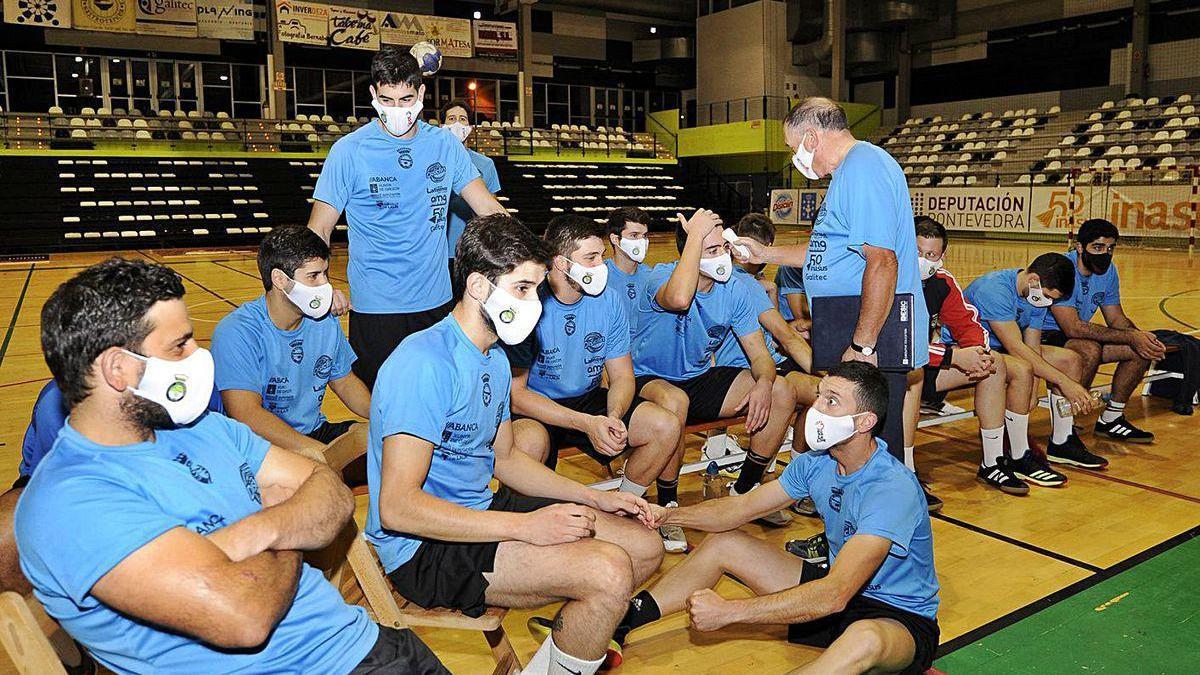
<point x="182" y="387"/>
<point x="1037" y="297"/>
<point x="460" y="130"/>
<point x="591" y="279"/>
<point x="928" y="267"/>
<point x="822" y="431"/>
<point x="314" y="301"/>
<point x="634" y="248"/>
<point x="719" y="268"/>
<point x="397" y="118"/>
<point x="803" y="161"/>
<point x="513" y="319"/>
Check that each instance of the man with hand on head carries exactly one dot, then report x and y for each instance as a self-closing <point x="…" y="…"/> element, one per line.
<point x="165" y="539"/>
<point x="687" y="310"/>
<point x="557" y="389"/>
<point x="276" y="355"/>
<point x="394" y="179"/>
<point x="874" y="608"/>
<point x="628" y="234"/>
<point x="862" y="241"/>
<point x="440" y="432"/>
<point x="458" y="119"/>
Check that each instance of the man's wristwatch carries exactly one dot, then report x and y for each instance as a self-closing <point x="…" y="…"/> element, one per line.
<point x="865" y="351"/>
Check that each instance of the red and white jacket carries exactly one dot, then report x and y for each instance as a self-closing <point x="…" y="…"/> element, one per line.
<point x="947" y="307"/>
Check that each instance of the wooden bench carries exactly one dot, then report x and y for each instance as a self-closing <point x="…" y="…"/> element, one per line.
<point x="357" y="573"/>
<point x="25" y="631"/>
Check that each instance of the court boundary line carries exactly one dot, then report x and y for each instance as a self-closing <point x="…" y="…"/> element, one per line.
<point x="1000" y="623"/>
<point x="1034" y="548"/>
<point x="12" y="323"/>
<point x="1162" y="307"/>
<point x="201" y="286"/>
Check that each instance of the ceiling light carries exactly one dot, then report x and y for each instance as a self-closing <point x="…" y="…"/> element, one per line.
<point x="653" y="30"/>
<point x="478" y="14"/>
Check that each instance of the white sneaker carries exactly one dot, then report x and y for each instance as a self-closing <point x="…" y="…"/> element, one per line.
<point x="943" y="409"/>
<point x="674" y="541"/>
<point x="780" y="518"/>
<point x="719" y="446"/>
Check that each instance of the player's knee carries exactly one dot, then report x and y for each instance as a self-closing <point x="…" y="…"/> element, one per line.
<point x="1089" y="350"/>
<point x="865" y="643"/>
<point x="609" y="571"/>
<point x="782" y="395"/>
<point x="719" y="545"/>
<point x="664" y="425"/>
<point x="531" y="439"/>
<point x="676" y="401"/>
<point x="1018" y="370"/>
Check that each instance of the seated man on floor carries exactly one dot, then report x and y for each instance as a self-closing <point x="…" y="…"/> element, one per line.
<point x="276" y="355"/>
<point x="1069" y="324"/>
<point x="685" y="312"/>
<point x="165" y="539"/>
<point x="628" y="234"/>
<point x="959" y="356"/>
<point x="557" y="391"/>
<point x="875" y="607"/>
<point x="440" y="432"/>
<point x="1012" y="304"/>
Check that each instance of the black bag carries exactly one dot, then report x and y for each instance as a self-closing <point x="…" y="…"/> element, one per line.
<point x="1185" y="361"/>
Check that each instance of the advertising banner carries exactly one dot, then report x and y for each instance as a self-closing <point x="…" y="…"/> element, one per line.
<point x="807" y="203"/>
<point x="40" y="13"/>
<point x="353" y="28"/>
<point x="225" y="19"/>
<point x="111" y="16"/>
<point x="495" y="38"/>
<point x="303" y="22"/>
<point x="988" y="209"/>
<point x="783" y="206"/>
<point x="1138" y="210"/>
<point x="452" y="36"/>
<point x="170" y="18"/>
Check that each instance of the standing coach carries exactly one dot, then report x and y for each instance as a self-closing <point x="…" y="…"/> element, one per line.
<point x="394" y="178"/>
<point x="862" y="243"/>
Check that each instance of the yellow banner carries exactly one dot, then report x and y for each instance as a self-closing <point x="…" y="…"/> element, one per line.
<point x="303" y="22"/>
<point x="43" y="14"/>
<point x="353" y="28"/>
<point x="172" y="18"/>
<point x="452" y="36"/>
<point x="113" y="16"/>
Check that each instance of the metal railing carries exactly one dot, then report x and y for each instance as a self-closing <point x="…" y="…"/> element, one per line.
<point x="743" y="110"/>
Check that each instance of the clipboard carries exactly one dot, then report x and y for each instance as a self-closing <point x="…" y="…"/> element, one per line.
<point x="835" y="318"/>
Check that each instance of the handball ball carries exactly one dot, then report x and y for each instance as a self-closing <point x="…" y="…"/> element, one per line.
<point x="428" y="56"/>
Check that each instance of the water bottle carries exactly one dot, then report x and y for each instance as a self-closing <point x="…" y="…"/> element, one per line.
<point x="714" y="486"/>
<point x="1064" y="406"/>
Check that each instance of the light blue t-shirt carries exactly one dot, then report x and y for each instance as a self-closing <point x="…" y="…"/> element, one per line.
<point x="789" y="281"/>
<point x="438" y="386"/>
<point x="289" y="369"/>
<point x="730" y="353"/>
<point x="995" y="296"/>
<point x="883" y="498"/>
<point x="460" y="210"/>
<point x="867" y="203"/>
<point x="566" y="352"/>
<point x="395" y="194"/>
<point x="629" y="288"/>
<point x="680" y="346"/>
<point x="1092" y="291"/>
<point x="89" y="506"/>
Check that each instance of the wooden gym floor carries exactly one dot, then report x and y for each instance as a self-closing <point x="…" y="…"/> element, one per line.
<point x="1000" y="558"/>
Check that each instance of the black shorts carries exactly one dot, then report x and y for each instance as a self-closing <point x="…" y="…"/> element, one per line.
<point x="594" y="402"/>
<point x="1054" y="338"/>
<point x="450" y="574"/>
<point x="374" y="337"/>
<point x="399" y="651"/>
<point x="355" y="473"/>
<point x="787" y="366"/>
<point x="706" y="391"/>
<point x="822" y="632"/>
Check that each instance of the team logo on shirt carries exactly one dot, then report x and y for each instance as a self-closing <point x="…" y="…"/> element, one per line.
<point x="594" y="342"/>
<point x="487" y="388"/>
<point x="250" y="483"/>
<point x="198" y="471"/>
<point x="210" y="524"/>
<point x="835" y="497"/>
<point x="631" y="290"/>
<point x="324" y="367"/>
<point x="297" y="346"/>
<point x="176" y="391"/>
<point x="404" y="158"/>
<point x="716" y="332"/>
<point x="848" y="529"/>
<point x="1098" y="299"/>
<point x="569" y="326"/>
<point x="436" y="172"/>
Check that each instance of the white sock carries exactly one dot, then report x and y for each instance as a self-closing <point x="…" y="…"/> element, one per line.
<point x="1061" y="424"/>
<point x="632" y="487"/>
<point x="993" y="445"/>
<point x="1112" y="412"/>
<point x="1017" y="426"/>
<point x="540" y="663"/>
<point x="908" y="459"/>
<point x="562" y="663"/>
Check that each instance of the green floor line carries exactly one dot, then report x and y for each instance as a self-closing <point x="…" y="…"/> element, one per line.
<point x="1145" y="620"/>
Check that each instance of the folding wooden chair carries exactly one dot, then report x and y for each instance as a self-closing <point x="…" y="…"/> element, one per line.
<point x="360" y="577"/>
<point x="25" y="631"/>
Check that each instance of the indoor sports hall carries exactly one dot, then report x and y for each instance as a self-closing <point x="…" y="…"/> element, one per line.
<point x="183" y="135"/>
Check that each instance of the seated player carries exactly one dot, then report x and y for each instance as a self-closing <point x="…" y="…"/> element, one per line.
<point x="457" y="118"/>
<point x="276" y="355"/>
<point x="685" y="312"/>
<point x="557" y="390"/>
<point x="1012" y="303"/>
<point x="1069" y="324"/>
<point x="440" y="432"/>
<point x="628" y="227"/>
<point x="165" y="539"/>
<point x="875" y="609"/>
<point x="1003" y="383"/>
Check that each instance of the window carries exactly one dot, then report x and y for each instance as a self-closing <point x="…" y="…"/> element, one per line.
<point x="188" y="92"/>
<point x="78" y="82"/>
<point x="139" y="82"/>
<point x="218" y="89"/>
<point x="309" y="91"/>
<point x="362" y="95"/>
<point x="247" y="91"/>
<point x="339" y="93"/>
<point x="165" y="84"/>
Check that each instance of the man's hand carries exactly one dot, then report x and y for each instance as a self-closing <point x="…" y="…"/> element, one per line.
<point x="708" y="610"/>
<point x="1148" y="346"/>
<point x="622" y="504"/>
<point x="341" y="304"/>
<point x="700" y="224"/>
<point x="755" y="252"/>
<point x="607" y="435"/>
<point x="801" y="326"/>
<point x="851" y="355"/>
<point x="656" y="516"/>
<point x="758" y="406"/>
<point x="1081" y="399"/>
<point x="976" y="362"/>
<point x="559" y="524"/>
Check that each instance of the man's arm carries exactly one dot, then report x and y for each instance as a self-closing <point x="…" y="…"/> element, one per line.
<point x="322" y="218"/>
<point x="246" y="407"/>
<point x="1022" y="346"/>
<point x="1074" y="327"/>
<point x="598" y="428"/>
<point x="621" y="385"/>
<point x="677" y="293"/>
<point x="1146" y="344"/>
<point x="185" y="583"/>
<point x="480" y="199"/>
<point x="762" y="367"/>
<point x="354" y="394"/>
<point x="789" y="340"/>
<point x="878" y="292"/>
<point x="798" y="303"/>
<point x="530" y="477"/>
<point x="726" y="513"/>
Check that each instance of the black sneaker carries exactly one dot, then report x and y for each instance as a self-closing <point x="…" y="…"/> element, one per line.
<point x="1036" y="470"/>
<point x="931" y="500"/>
<point x="1001" y="477"/>
<point x="1074" y="453"/>
<point x="1120" y="429"/>
<point x="815" y="549"/>
<point x="805" y="507"/>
